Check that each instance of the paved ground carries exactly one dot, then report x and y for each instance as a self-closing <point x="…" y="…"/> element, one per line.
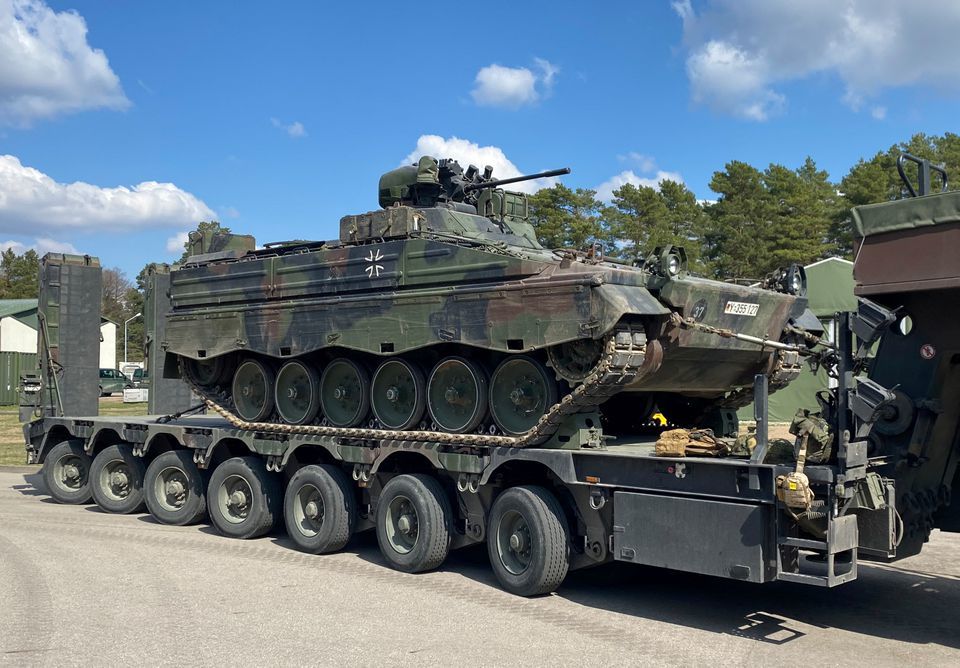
<point x="78" y="586"/>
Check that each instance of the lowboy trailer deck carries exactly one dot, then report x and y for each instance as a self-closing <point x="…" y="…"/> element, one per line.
<point x="542" y="511"/>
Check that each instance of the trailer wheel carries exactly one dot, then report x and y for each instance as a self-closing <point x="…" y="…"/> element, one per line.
<point x="174" y="489"/>
<point x="528" y="541"/>
<point x="66" y="473"/>
<point x="243" y="500"/>
<point x="319" y="509"/>
<point x="413" y="523"/>
<point x="116" y="479"/>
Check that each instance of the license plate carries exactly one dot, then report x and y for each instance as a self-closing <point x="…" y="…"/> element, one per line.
<point x="741" y="308"/>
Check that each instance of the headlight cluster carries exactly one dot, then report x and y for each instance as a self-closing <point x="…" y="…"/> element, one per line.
<point x="667" y="261"/>
<point x="791" y="280"/>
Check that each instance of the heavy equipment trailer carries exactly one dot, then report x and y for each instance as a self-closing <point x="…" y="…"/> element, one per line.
<point x="541" y="511"/>
<point x="879" y="483"/>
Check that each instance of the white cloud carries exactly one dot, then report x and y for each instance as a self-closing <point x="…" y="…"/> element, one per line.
<point x="605" y="189"/>
<point x="468" y="153"/>
<point x="42" y="245"/>
<point x="513" y="87"/>
<point x="29" y="199"/>
<point x="294" y="130"/>
<point x="879" y="113"/>
<point x="644" y="163"/>
<point x="176" y="243"/>
<point x="47" y="68"/>
<point x="740" y="51"/>
<point x="229" y="212"/>
<point x="733" y="81"/>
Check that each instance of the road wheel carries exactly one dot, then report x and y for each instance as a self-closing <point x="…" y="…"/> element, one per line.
<point x="243" y="500"/>
<point x="528" y="541"/>
<point x="319" y="509"/>
<point x="521" y="391"/>
<point x="297" y="393"/>
<point x="253" y="390"/>
<point x="457" y="395"/>
<point x="174" y="489"/>
<point x="116" y="479"/>
<point x="396" y="394"/>
<point x="344" y="393"/>
<point x="413" y="523"/>
<point x="66" y="473"/>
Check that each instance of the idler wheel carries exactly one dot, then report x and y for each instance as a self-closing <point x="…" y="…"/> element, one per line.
<point x="521" y="391"/>
<point x="206" y="372"/>
<point x="344" y="393"/>
<point x="575" y="360"/>
<point x="297" y="393"/>
<point x="253" y="390"/>
<point x="457" y="395"/>
<point x="397" y="394"/>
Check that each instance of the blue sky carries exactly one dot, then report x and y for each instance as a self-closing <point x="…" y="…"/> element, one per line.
<point x="278" y="118"/>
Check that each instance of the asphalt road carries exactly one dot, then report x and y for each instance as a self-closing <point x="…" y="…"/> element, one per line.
<point x="81" y="587"/>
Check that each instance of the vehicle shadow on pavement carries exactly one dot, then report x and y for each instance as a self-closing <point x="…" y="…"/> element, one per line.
<point x="883" y="602"/>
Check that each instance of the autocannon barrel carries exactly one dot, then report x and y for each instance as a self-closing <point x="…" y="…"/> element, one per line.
<point x="516" y="179"/>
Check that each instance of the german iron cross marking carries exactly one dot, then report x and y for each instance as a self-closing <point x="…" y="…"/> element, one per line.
<point x="373" y="269"/>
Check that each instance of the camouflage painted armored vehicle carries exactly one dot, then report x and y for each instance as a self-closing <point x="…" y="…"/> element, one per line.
<point x="440" y="314"/>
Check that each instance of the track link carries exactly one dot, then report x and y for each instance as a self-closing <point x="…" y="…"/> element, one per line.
<point x="622" y="363"/>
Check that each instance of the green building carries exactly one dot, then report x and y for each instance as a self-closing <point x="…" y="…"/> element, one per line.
<point x="829" y="290"/>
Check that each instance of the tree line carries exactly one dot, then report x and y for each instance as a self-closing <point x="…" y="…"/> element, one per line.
<point x="761" y="219"/>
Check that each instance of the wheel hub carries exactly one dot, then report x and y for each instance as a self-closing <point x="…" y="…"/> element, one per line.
<point x="311" y="510"/>
<point x="393" y="394"/>
<point x="340" y="393"/>
<point x="71" y="472"/>
<point x="174" y="488"/>
<point x="119" y="480"/>
<point x="519" y="398"/>
<point x="406" y="524"/>
<point x="238" y="499"/>
<point x="517" y="542"/>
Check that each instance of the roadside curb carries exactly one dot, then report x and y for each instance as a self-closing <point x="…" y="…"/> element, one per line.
<point x="4" y="468"/>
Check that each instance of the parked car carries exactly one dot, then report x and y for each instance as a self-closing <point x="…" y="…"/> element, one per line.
<point x="111" y="380"/>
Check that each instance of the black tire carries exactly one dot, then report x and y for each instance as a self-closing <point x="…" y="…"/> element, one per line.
<point x="186" y="503"/>
<point x="330" y="492"/>
<point x="261" y="492"/>
<point x="547" y="538"/>
<point x="63" y="488"/>
<point x="116" y="479"/>
<point x="433" y="516"/>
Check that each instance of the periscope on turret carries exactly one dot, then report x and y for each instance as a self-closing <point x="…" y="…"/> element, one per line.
<point x="442" y="313"/>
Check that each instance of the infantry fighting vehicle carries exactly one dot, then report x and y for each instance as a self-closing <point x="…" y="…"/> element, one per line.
<point x="442" y="313"/>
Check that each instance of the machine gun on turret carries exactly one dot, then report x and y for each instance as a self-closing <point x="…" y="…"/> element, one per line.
<point x="433" y="181"/>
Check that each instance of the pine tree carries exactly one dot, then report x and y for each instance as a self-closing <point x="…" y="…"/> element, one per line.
<point x="565" y="218"/>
